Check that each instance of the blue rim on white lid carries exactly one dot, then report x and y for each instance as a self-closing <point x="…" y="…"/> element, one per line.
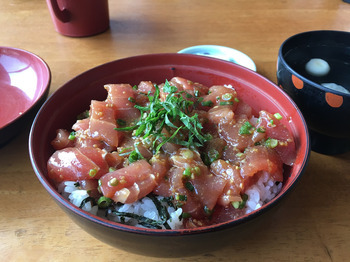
<point x="221" y="52"/>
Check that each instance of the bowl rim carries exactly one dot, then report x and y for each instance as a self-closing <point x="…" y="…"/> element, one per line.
<point x="304" y="79"/>
<point x="156" y="232"/>
<point x="46" y="82"/>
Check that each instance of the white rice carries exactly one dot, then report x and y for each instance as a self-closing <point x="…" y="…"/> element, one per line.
<point x="144" y="207"/>
<point x="262" y="192"/>
<point x="76" y="196"/>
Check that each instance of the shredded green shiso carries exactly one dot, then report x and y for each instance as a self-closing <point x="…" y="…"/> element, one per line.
<point x="172" y="115"/>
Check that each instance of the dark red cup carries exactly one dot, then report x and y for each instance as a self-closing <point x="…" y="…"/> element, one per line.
<point x="79" y="18"/>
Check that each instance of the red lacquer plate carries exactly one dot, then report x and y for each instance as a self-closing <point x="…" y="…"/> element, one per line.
<point x="24" y="85"/>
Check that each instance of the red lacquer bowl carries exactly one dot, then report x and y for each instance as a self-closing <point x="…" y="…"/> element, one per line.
<point x="24" y="85"/>
<point x="74" y="97"/>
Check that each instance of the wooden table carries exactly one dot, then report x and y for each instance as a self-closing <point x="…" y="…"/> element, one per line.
<point x="314" y="222"/>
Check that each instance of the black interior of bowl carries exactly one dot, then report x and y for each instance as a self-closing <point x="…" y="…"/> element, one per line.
<point x="331" y="46"/>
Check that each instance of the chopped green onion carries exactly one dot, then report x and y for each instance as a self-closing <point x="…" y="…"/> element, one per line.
<point x="187" y="172"/>
<point x="261" y="130"/>
<point x="187" y="154"/>
<point x="92" y="172"/>
<point x="71" y="136"/>
<point x="278" y="116"/>
<point x="240" y="154"/>
<point x="245" y="128"/>
<point x="236" y="204"/>
<point x="236" y="99"/>
<point x="240" y="204"/>
<point x="111" y="169"/>
<point x="226" y="103"/>
<point x="196" y="93"/>
<point x="113" y="182"/>
<point x="226" y="96"/>
<point x="104" y="202"/>
<point x="271" y="142"/>
<point x="196" y="170"/>
<point x="180" y="197"/>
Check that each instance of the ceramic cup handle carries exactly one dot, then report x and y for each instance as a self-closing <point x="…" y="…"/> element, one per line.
<point x="63" y="15"/>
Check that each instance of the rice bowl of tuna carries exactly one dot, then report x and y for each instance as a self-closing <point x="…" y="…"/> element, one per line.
<point x="168" y="147"/>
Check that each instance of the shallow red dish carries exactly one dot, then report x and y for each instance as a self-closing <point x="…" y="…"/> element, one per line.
<point x="74" y="97"/>
<point x="24" y="85"/>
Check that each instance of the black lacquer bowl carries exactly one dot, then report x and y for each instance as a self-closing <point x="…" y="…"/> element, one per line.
<point x="327" y="111"/>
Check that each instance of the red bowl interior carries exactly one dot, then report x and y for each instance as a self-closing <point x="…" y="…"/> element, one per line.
<point x="24" y="79"/>
<point x="61" y="109"/>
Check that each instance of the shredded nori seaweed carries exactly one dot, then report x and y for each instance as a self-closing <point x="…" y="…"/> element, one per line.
<point x="145" y="221"/>
<point x="87" y="200"/>
<point x="162" y="210"/>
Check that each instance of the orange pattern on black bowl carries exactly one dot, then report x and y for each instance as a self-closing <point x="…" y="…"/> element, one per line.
<point x="334" y="100"/>
<point x="298" y="83"/>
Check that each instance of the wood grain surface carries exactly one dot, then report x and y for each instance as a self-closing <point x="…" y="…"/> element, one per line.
<point x="313" y="224"/>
